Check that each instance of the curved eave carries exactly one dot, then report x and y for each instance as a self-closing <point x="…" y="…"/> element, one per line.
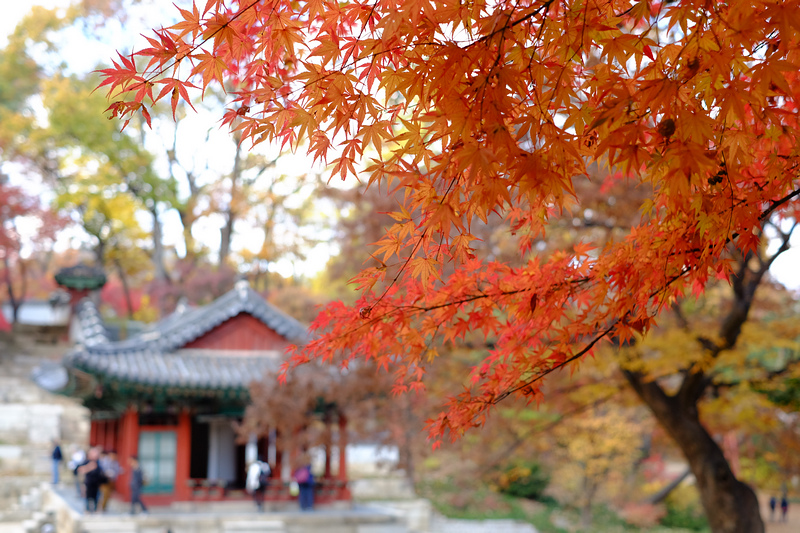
<point x="65" y="381"/>
<point x="172" y="391"/>
<point x="127" y="387"/>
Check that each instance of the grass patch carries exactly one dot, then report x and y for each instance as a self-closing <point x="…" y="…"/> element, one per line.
<point x="479" y="502"/>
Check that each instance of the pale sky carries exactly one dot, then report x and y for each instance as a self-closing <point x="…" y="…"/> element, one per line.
<point x="786" y="268"/>
<point x="83" y="55"/>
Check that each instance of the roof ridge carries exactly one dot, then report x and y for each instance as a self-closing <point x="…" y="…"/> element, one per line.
<point x="175" y="331"/>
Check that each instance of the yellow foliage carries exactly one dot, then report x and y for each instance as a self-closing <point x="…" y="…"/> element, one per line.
<point x="147" y="312"/>
<point x="599" y="449"/>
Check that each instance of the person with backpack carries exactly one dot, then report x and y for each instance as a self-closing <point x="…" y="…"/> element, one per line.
<point x="258" y="474"/>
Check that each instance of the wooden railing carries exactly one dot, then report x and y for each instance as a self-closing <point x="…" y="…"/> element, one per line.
<point x="325" y="489"/>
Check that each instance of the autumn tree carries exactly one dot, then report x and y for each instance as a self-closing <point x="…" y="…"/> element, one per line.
<point x="15" y="206"/>
<point x="304" y="410"/>
<point x="20" y="78"/>
<point x="497" y="108"/>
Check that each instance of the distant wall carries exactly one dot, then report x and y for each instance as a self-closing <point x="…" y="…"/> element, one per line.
<point x="38" y="313"/>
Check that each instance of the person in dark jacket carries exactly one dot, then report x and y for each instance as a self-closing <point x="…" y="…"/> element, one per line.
<point x="784" y="507"/>
<point x="137" y="482"/>
<point x="93" y="477"/>
<point x="57" y="457"/>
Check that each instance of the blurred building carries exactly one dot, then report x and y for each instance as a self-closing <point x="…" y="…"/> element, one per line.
<point x="172" y="393"/>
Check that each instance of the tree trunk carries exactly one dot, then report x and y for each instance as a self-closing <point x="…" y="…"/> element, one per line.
<point x="12" y="298"/>
<point x="730" y="505"/>
<point x="100" y="252"/>
<point x="125" y="288"/>
<point x="189" y="217"/>
<point x="589" y="488"/>
<point x="661" y="495"/>
<point x="226" y="233"/>
<point x="187" y="221"/>
<point x="158" y="247"/>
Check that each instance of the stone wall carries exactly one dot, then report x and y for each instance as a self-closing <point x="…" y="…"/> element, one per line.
<point x="30" y="418"/>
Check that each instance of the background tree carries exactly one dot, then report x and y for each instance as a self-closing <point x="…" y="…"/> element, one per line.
<point x="601" y="448"/>
<point x="18" y="208"/>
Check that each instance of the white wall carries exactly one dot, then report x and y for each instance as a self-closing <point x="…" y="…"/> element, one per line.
<point x="221" y="450"/>
<point x="38" y="313"/>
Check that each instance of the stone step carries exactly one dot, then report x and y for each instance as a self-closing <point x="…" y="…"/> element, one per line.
<point x="449" y="525"/>
<point x="108" y="525"/>
<point x="254" y="526"/>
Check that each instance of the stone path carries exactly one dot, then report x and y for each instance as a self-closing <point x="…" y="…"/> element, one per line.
<point x="449" y="525"/>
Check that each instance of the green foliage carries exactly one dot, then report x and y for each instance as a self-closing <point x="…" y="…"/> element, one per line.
<point x="524" y="480"/>
<point x="606" y="519"/>
<point x="786" y="394"/>
<point x="479" y="502"/>
<point x="691" y="519"/>
<point x="684" y="510"/>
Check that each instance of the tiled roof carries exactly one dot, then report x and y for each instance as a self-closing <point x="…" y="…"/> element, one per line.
<point x="156" y="356"/>
<point x="190" y="323"/>
<point x="81" y="277"/>
<point x="190" y="369"/>
<point x="91" y="331"/>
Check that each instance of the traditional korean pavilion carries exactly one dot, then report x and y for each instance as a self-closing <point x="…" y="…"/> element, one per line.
<point x="171" y="395"/>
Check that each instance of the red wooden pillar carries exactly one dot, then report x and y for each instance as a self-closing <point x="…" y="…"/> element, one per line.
<point x="345" y="491"/>
<point x="93" y="433"/>
<point x="342" y="448"/>
<point x="328" y="446"/>
<point x="184" y="454"/>
<point x="109" y="442"/>
<point x="127" y="446"/>
<point x="277" y="472"/>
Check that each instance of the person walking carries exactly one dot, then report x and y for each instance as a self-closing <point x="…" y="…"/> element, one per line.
<point x="57" y="456"/>
<point x="773" y="502"/>
<point x="305" y="483"/>
<point x="257" y="479"/>
<point x="784" y="507"/>
<point x="93" y="477"/>
<point x="111" y="469"/>
<point x="136" y="484"/>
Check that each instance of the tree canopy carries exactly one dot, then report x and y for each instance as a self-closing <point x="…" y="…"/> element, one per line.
<point x="482" y="108"/>
<point x="476" y="113"/>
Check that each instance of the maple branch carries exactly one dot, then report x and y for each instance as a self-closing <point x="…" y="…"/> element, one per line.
<point x="162" y="70"/>
<point x="545" y="7"/>
<point x="577" y="355"/>
<point x="776" y="204"/>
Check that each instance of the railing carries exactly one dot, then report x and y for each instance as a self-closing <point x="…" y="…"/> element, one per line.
<point x="325" y="489"/>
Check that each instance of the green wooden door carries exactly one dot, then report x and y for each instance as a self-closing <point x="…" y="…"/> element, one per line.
<point x="157" y="455"/>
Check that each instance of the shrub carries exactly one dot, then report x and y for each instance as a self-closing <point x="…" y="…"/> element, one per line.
<point x="523" y="480"/>
<point x="684" y="510"/>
